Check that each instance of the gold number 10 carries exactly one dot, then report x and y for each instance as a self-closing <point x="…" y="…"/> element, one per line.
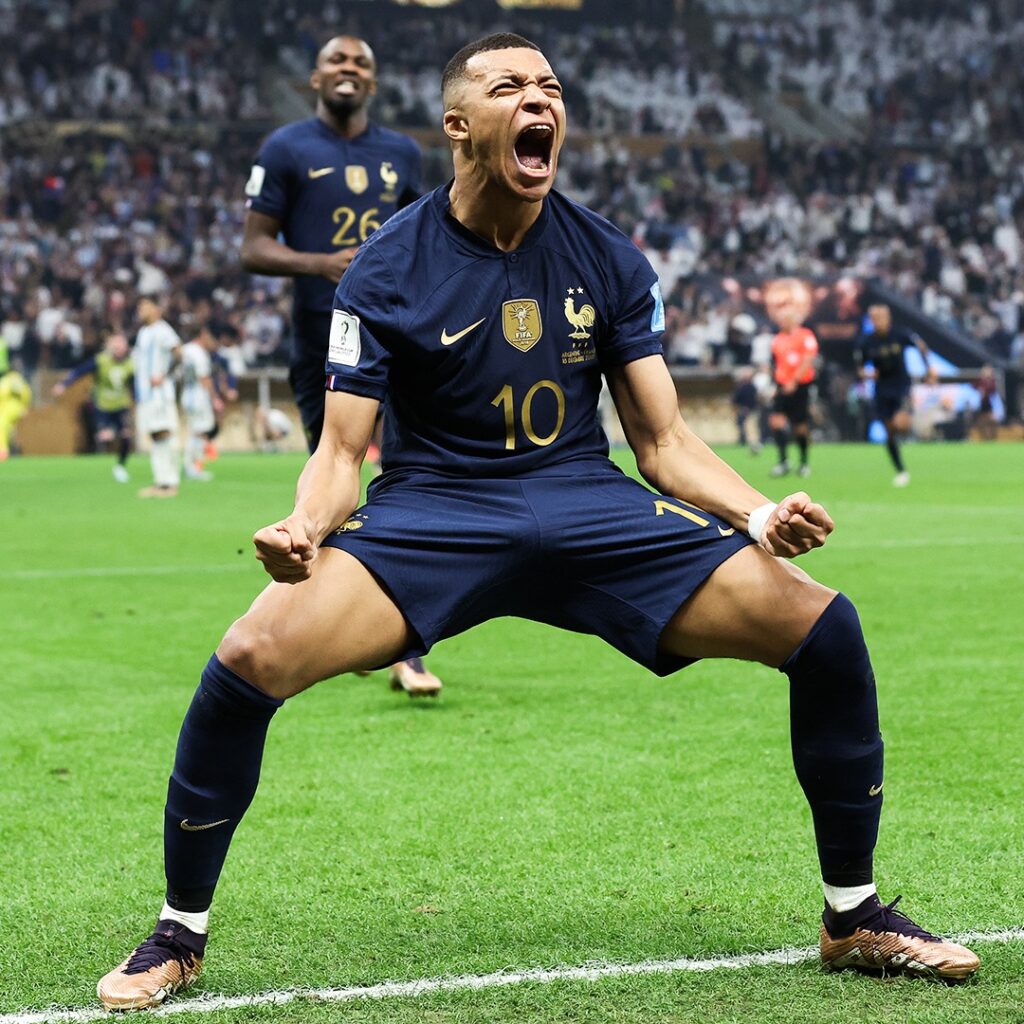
<point x="506" y="399"/>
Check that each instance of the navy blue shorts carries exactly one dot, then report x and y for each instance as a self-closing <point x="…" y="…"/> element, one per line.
<point x="890" y="401"/>
<point x="117" y="421"/>
<point x="591" y="550"/>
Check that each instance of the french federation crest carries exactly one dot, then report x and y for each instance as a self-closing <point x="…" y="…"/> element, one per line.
<point x="389" y="176"/>
<point x="520" y="320"/>
<point x="356" y="178"/>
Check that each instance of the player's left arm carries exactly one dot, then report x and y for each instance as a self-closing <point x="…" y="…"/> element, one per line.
<point x="675" y="462"/>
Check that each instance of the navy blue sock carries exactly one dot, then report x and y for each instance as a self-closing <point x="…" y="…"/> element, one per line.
<point x="837" y="748"/>
<point x="216" y="769"/>
<point x="801" y="443"/>
<point x="781" y="442"/>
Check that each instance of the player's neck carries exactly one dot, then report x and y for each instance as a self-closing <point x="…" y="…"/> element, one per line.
<point x="490" y="212"/>
<point x="347" y="127"/>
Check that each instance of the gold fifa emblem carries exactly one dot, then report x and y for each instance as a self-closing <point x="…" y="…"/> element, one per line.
<point x="520" y="320"/>
<point x="356" y="178"/>
<point x="581" y="318"/>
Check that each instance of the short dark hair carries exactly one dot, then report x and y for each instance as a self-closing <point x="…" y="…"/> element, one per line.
<point x="456" y="67"/>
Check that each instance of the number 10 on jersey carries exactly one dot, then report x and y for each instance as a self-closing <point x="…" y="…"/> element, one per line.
<point x="506" y="400"/>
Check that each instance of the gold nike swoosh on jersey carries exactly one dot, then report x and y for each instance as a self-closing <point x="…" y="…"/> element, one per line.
<point x="875" y="790"/>
<point x="320" y="172"/>
<point x="202" y="828"/>
<point x="726" y="533"/>
<point x="450" y="339"/>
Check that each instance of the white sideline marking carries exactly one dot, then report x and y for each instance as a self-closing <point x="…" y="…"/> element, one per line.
<point x="471" y="982"/>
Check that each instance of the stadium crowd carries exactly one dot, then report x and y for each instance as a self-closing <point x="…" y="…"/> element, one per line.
<point x="907" y="70"/>
<point x="122" y="58"/>
<point x="944" y="231"/>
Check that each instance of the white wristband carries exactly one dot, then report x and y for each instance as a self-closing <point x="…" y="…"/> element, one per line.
<point x="758" y="520"/>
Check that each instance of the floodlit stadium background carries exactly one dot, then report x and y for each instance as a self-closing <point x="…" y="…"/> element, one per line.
<point x="870" y="148"/>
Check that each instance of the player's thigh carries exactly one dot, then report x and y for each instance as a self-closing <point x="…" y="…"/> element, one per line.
<point x="753" y="606"/>
<point x="294" y="635"/>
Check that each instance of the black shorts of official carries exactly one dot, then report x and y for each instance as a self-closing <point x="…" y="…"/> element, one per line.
<point x="589" y="550"/>
<point x="116" y="421"/>
<point x="306" y="375"/>
<point x="795" y="405"/>
<point x="891" y="400"/>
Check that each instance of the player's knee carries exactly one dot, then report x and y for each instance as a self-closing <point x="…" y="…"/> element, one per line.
<point x="834" y="643"/>
<point x="251" y="652"/>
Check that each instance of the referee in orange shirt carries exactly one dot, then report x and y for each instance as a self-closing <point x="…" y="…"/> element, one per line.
<point x="794" y="351"/>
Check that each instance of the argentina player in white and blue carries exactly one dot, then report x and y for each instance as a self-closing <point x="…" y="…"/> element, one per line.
<point x="484" y="317"/>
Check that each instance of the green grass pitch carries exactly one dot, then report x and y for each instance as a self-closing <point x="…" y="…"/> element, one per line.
<point x="557" y="805"/>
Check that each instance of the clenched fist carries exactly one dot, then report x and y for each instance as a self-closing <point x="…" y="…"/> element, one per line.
<point x="796" y="526"/>
<point x="287" y="549"/>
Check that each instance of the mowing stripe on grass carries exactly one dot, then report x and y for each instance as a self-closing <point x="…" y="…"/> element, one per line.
<point x="470" y="982"/>
<point x="129" y="570"/>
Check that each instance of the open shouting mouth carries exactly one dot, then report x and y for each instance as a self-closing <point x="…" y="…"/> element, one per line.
<point x="533" y="150"/>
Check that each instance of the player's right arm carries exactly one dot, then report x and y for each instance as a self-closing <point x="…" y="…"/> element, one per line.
<point x="263" y="252"/>
<point x="328" y="489"/>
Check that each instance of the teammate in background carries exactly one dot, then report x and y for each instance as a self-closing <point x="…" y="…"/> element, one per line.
<point x="794" y="351"/>
<point x="157" y="348"/>
<point x="884" y="347"/>
<point x="325" y="185"/>
<point x="112" y="369"/>
<point x="199" y="401"/>
<point x="487" y="315"/>
<point x="15" y="400"/>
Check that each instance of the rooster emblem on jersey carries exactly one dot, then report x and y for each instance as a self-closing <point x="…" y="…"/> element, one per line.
<point x="389" y="176"/>
<point x="581" y="318"/>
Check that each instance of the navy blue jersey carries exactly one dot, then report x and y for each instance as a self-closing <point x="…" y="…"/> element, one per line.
<point x="888" y="356"/>
<point x="329" y="192"/>
<point x="489" y="363"/>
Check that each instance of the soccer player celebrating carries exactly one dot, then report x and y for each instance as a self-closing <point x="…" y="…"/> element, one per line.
<point x="325" y="185"/>
<point x="157" y="348"/>
<point x="111" y="370"/>
<point x="794" y="350"/>
<point x="487" y="314"/>
<point x="884" y="347"/>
